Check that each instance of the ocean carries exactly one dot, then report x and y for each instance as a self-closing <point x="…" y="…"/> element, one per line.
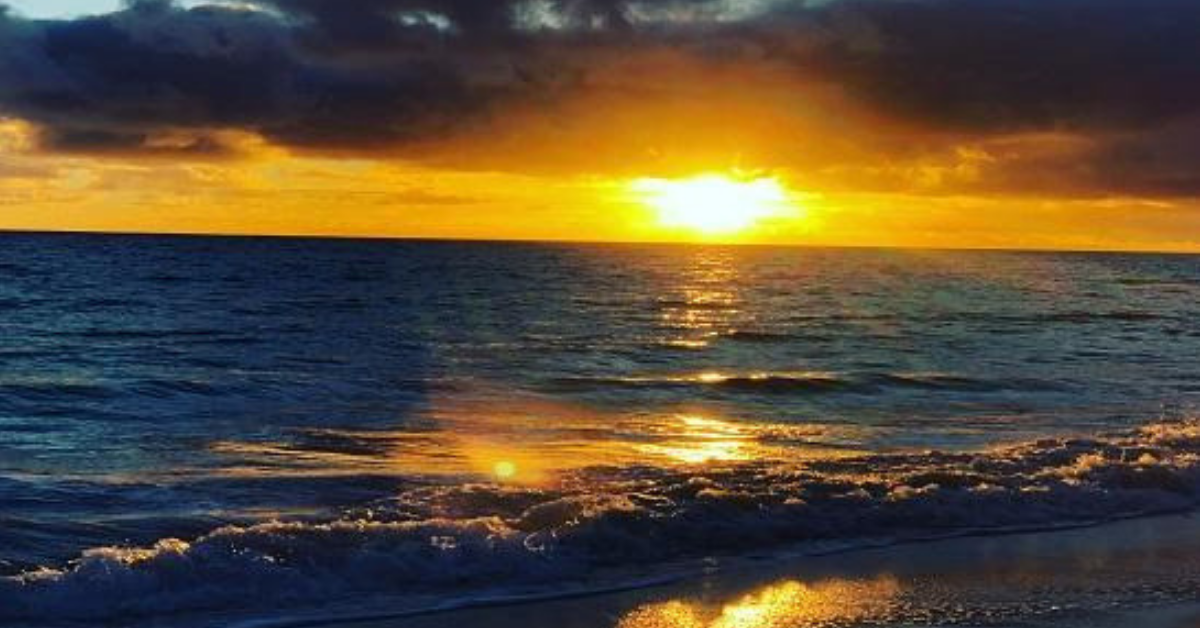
<point x="220" y="430"/>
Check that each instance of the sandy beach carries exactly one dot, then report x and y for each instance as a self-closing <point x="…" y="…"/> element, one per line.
<point x="1144" y="572"/>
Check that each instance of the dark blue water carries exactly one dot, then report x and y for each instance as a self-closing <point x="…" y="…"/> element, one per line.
<point x="563" y="397"/>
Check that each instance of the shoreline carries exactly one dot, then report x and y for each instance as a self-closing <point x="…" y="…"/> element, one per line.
<point x="1107" y="575"/>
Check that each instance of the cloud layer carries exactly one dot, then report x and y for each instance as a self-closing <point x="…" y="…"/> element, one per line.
<point x="1120" y="78"/>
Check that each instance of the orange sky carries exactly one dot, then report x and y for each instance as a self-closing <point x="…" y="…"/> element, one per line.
<point x="559" y="162"/>
<point x="268" y="190"/>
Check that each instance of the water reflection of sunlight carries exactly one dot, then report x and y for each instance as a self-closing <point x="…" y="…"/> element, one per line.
<point x="704" y="303"/>
<point x="525" y="443"/>
<point x="505" y="436"/>
<point x="694" y="439"/>
<point x="504" y="461"/>
<point x="505" y="469"/>
<point x="786" y="604"/>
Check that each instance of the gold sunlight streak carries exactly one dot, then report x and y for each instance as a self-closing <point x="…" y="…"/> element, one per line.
<point x="783" y="604"/>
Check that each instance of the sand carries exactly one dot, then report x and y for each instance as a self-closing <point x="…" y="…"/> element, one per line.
<point x="1141" y="572"/>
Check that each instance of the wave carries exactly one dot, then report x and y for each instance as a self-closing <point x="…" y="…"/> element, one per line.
<point x="43" y="390"/>
<point x="763" y="381"/>
<point x="194" y="334"/>
<point x="1049" y="316"/>
<point x="764" y="337"/>
<point x="57" y="391"/>
<point x="1053" y="317"/>
<point x="1080" y="316"/>
<point x="457" y="539"/>
<point x="687" y="304"/>
<point x="11" y="304"/>
<point x="809" y="382"/>
<point x="952" y="381"/>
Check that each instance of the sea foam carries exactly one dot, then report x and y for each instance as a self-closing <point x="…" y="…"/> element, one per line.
<point x="490" y="538"/>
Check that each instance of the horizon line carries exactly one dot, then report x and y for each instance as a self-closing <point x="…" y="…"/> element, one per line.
<point x="10" y="231"/>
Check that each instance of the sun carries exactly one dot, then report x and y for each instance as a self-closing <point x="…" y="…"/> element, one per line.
<point x="714" y="204"/>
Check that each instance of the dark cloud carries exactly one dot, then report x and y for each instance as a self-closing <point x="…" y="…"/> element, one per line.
<point x="97" y="141"/>
<point x="115" y="80"/>
<point x="1163" y="161"/>
<point x="1013" y="65"/>
<point x="378" y="74"/>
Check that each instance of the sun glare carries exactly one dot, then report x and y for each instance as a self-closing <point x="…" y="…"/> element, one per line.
<point x="714" y="204"/>
<point x="505" y="470"/>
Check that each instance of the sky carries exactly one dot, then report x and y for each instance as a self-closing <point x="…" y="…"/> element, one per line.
<point x="1070" y="124"/>
<point x="63" y="8"/>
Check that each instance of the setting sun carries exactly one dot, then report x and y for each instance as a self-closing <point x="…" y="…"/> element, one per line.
<point x="714" y="203"/>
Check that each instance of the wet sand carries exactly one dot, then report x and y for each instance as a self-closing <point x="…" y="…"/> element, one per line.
<point x="1143" y="572"/>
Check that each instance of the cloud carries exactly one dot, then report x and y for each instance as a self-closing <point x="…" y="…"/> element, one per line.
<point x="397" y="75"/>
<point x="115" y="81"/>
<point x="1165" y="160"/>
<point x="1004" y="65"/>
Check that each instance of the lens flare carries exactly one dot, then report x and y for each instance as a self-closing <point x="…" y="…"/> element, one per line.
<point x="505" y="470"/>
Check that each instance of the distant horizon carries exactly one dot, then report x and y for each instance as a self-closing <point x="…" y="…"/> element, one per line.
<point x="676" y="243"/>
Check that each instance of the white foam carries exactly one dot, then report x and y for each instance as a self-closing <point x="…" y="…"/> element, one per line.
<point x="447" y="541"/>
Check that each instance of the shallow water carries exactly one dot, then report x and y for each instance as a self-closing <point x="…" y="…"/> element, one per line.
<point x="1143" y="572"/>
<point x="433" y="416"/>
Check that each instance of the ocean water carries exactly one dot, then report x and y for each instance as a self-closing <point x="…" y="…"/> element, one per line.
<point x="211" y="429"/>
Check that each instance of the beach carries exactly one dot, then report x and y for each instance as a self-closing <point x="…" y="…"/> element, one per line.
<point x="1143" y="572"/>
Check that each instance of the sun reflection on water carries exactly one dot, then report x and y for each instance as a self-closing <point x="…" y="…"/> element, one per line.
<point x="531" y="445"/>
<point x="495" y="434"/>
<point x="693" y="439"/>
<point x="711" y="378"/>
<point x="704" y="303"/>
<point x="786" y="604"/>
<point x="505" y="469"/>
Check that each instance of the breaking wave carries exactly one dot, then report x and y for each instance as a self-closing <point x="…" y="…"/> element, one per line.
<point x="807" y="382"/>
<point x="486" y="539"/>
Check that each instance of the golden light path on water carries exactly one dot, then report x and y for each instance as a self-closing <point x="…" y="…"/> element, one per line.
<point x="531" y="449"/>
<point x="786" y="604"/>
<point x="698" y="440"/>
<point x="703" y="304"/>
<point x="512" y="436"/>
<point x="516" y="436"/>
<point x="532" y="445"/>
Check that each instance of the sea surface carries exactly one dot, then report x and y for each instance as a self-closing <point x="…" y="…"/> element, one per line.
<point x="212" y="430"/>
